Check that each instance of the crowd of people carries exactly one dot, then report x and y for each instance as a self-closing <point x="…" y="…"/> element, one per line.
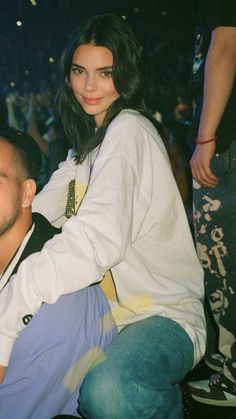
<point x="33" y="111"/>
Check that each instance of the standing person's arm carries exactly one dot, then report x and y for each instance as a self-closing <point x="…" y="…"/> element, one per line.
<point x="12" y="119"/>
<point x="219" y="77"/>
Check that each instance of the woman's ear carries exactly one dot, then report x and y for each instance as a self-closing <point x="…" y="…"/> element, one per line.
<point x="28" y="192"/>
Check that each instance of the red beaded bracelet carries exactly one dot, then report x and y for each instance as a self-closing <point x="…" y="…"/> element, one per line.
<point x="198" y="141"/>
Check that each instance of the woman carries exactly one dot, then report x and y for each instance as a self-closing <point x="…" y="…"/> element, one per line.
<point x="127" y="227"/>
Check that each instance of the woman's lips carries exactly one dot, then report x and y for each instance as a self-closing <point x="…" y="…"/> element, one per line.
<point x="91" y="101"/>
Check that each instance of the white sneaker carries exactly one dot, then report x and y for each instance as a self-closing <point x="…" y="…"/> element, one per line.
<point x="215" y="361"/>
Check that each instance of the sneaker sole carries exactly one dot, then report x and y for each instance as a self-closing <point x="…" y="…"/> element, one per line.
<point x="226" y="403"/>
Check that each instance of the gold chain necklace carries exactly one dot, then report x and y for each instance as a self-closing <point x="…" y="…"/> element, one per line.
<point x="70" y="204"/>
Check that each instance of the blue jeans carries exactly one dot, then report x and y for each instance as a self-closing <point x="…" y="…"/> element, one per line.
<point x="215" y="236"/>
<point x="140" y="375"/>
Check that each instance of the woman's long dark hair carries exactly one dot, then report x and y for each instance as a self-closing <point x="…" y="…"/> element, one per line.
<point x="112" y="32"/>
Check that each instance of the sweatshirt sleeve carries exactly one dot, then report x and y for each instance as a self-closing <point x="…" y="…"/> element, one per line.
<point x="91" y="243"/>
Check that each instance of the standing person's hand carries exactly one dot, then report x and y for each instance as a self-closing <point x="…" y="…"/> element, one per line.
<point x="201" y="165"/>
<point x="2" y="373"/>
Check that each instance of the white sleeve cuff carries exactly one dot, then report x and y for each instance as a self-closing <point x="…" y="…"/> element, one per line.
<point x="6" y="345"/>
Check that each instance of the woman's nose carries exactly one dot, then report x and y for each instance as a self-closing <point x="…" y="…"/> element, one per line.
<point x="90" y="83"/>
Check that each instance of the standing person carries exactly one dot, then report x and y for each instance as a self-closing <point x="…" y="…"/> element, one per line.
<point x="58" y="345"/>
<point x="124" y="224"/>
<point x="214" y="170"/>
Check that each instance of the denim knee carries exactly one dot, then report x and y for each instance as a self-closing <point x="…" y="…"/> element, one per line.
<point x="111" y="397"/>
<point x="139" y="375"/>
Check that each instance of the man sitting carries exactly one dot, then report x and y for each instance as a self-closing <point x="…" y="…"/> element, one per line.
<point x="55" y="350"/>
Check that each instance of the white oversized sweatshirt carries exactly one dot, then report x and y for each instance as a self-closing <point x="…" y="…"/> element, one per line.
<point x="129" y="221"/>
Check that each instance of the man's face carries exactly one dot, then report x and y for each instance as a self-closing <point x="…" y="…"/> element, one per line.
<point x="10" y="188"/>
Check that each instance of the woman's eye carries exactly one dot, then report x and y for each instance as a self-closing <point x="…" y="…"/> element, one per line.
<point x="77" y="70"/>
<point x="107" y="73"/>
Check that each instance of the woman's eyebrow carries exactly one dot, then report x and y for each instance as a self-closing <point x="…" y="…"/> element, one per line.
<point x="108" y="67"/>
<point x="77" y="65"/>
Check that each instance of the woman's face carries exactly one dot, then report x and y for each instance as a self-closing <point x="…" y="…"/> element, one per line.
<point x="91" y="80"/>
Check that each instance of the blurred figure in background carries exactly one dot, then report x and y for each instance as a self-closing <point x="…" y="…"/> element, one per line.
<point x="213" y="167"/>
<point x="180" y="151"/>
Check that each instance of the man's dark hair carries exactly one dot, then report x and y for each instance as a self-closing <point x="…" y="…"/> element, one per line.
<point x="28" y="151"/>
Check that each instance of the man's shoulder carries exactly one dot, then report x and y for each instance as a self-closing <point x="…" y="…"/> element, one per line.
<point x="43" y="231"/>
<point x="41" y="222"/>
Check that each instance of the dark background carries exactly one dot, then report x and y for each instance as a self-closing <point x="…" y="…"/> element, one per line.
<point x="165" y="28"/>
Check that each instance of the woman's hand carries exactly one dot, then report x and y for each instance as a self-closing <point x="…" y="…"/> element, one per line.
<point x="201" y="165"/>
